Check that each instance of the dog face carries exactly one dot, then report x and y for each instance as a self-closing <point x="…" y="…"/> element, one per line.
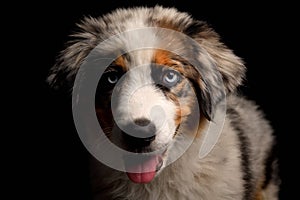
<point x="148" y="98"/>
<point x="152" y="99"/>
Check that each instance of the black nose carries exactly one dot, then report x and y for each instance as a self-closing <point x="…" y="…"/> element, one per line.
<point x="139" y="134"/>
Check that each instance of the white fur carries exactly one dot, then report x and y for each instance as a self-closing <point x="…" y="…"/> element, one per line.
<point x="138" y="98"/>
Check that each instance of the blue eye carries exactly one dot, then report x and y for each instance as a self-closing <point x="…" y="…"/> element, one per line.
<point x="171" y="77"/>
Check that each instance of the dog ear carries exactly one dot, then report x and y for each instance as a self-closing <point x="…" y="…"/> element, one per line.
<point x="228" y="64"/>
<point x="63" y="73"/>
<point x="207" y="85"/>
<point x="221" y="70"/>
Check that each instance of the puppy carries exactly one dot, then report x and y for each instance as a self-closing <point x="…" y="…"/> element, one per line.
<point x="168" y="98"/>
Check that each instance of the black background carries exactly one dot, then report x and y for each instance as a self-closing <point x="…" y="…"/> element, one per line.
<point x="260" y="34"/>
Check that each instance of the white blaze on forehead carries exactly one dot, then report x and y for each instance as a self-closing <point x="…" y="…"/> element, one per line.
<point x="142" y="41"/>
<point x="139" y="58"/>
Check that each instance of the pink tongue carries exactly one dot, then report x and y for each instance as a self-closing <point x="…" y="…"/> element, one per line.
<point x="143" y="172"/>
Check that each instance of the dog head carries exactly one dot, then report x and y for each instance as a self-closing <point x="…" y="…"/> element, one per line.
<point x="147" y="97"/>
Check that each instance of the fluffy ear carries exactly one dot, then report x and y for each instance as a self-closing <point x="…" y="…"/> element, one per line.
<point x="228" y="64"/>
<point x="62" y="74"/>
<point x="221" y="71"/>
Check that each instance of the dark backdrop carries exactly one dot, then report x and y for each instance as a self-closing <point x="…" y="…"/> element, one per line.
<point x="257" y="33"/>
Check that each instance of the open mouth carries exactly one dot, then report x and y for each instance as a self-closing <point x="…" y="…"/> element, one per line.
<point x="142" y="169"/>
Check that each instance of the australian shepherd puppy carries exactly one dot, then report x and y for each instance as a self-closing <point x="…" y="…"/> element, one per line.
<point x="165" y="97"/>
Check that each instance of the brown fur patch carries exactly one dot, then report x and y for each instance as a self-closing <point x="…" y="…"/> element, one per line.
<point x="194" y="133"/>
<point x="120" y="61"/>
<point x="166" y="58"/>
<point x="182" y="112"/>
<point x="203" y="123"/>
<point x="163" y="57"/>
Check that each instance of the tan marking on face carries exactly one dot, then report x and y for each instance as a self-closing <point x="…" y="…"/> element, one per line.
<point x="120" y="61"/>
<point x="181" y="113"/>
<point x="194" y="132"/>
<point x="163" y="57"/>
<point x="182" y="110"/>
<point x="203" y="124"/>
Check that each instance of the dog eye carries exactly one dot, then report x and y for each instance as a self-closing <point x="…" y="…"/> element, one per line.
<point x="171" y="78"/>
<point x="109" y="79"/>
<point x="112" y="78"/>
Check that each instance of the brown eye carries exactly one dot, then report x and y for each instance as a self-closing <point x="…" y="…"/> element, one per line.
<point x="170" y="78"/>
